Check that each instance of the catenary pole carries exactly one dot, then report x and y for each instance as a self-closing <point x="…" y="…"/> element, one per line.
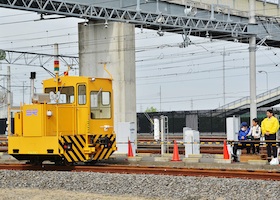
<point x="252" y="62"/>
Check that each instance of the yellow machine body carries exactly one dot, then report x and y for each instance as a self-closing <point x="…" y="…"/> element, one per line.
<point x="72" y="121"/>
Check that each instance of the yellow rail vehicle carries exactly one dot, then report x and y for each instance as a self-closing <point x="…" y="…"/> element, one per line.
<point x="72" y="121"/>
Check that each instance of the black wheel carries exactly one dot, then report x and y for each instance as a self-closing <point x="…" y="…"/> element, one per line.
<point x="35" y="162"/>
<point x="63" y="162"/>
<point x="92" y="162"/>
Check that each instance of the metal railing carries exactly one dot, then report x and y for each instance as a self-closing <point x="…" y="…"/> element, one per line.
<point x="246" y="100"/>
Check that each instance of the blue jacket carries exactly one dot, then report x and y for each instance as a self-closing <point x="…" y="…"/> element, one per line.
<point x="243" y="133"/>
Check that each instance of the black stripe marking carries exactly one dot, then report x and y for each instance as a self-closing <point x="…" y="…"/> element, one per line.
<point x="77" y="138"/>
<point x="103" y="148"/>
<point x="72" y="150"/>
<point x="70" y="156"/>
<point x="100" y="153"/>
<point x="110" y="148"/>
<point x="59" y="141"/>
<point x="81" y="154"/>
<point x="98" y="145"/>
<point x="66" y="151"/>
<point x="83" y="138"/>
<point x="92" y="139"/>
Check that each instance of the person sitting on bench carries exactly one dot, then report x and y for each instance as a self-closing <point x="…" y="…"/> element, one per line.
<point x="242" y="137"/>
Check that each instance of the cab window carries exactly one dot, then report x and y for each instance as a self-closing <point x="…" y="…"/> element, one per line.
<point x="64" y="94"/>
<point x="82" y="98"/>
<point x="100" y="105"/>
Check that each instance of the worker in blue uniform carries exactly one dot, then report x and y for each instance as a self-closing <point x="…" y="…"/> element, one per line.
<point x="242" y="137"/>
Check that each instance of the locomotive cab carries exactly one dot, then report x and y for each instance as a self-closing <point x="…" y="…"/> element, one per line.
<point x="71" y="121"/>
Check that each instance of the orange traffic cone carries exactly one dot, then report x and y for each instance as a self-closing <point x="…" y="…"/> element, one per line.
<point x="176" y="156"/>
<point x="226" y="154"/>
<point x="130" y="152"/>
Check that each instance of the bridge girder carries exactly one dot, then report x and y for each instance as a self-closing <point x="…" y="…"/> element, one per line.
<point x="144" y="17"/>
<point x="158" y="15"/>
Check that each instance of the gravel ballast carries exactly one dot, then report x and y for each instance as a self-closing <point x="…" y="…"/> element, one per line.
<point x="151" y="186"/>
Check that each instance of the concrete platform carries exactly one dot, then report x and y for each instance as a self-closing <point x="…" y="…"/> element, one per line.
<point x="134" y="159"/>
<point x="169" y="155"/>
<point x="195" y="156"/>
<point x="144" y="154"/>
<point x="257" y="162"/>
<point x="191" y="160"/>
<point x="162" y="159"/>
<point x="219" y="156"/>
<point x="247" y="157"/>
<point x="223" y="161"/>
<point x="205" y="162"/>
<point x="117" y="154"/>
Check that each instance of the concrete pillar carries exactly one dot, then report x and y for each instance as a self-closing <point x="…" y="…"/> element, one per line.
<point x="114" y="44"/>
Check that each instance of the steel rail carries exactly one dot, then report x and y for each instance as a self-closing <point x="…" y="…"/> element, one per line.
<point x="125" y="169"/>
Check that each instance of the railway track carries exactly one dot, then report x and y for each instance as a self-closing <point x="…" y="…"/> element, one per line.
<point x="125" y="169"/>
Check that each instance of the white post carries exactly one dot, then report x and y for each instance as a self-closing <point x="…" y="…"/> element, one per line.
<point x="160" y="98"/>
<point x="252" y="62"/>
<point x="163" y="149"/>
<point x="156" y="129"/>
<point x="224" y="76"/>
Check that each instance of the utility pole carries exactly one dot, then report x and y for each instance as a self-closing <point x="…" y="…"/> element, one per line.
<point x="252" y="62"/>
<point x="9" y="100"/>
<point x="224" y="54"/>
<point x="160" y="98"/>
<point x="22" y="92"/>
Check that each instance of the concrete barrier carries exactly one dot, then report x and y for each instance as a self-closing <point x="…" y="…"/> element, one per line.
<point x="134" y="159"/>
<point x="222" y="161"/>
<point x="162" y="159"/>
<point x="195" y="156"/>
<point x="169" y="155"/>
<point x="257" y="162"/>
<point x="144" y="154"/>
<point x="117" y="154"/>
<point x="191" y="160"/>
<point x="219" y="156"/>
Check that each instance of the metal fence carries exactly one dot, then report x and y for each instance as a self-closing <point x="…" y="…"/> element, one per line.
<point x="204" y="121"/>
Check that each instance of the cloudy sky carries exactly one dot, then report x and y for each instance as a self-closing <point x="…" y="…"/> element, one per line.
<point x="189" y="78"/>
